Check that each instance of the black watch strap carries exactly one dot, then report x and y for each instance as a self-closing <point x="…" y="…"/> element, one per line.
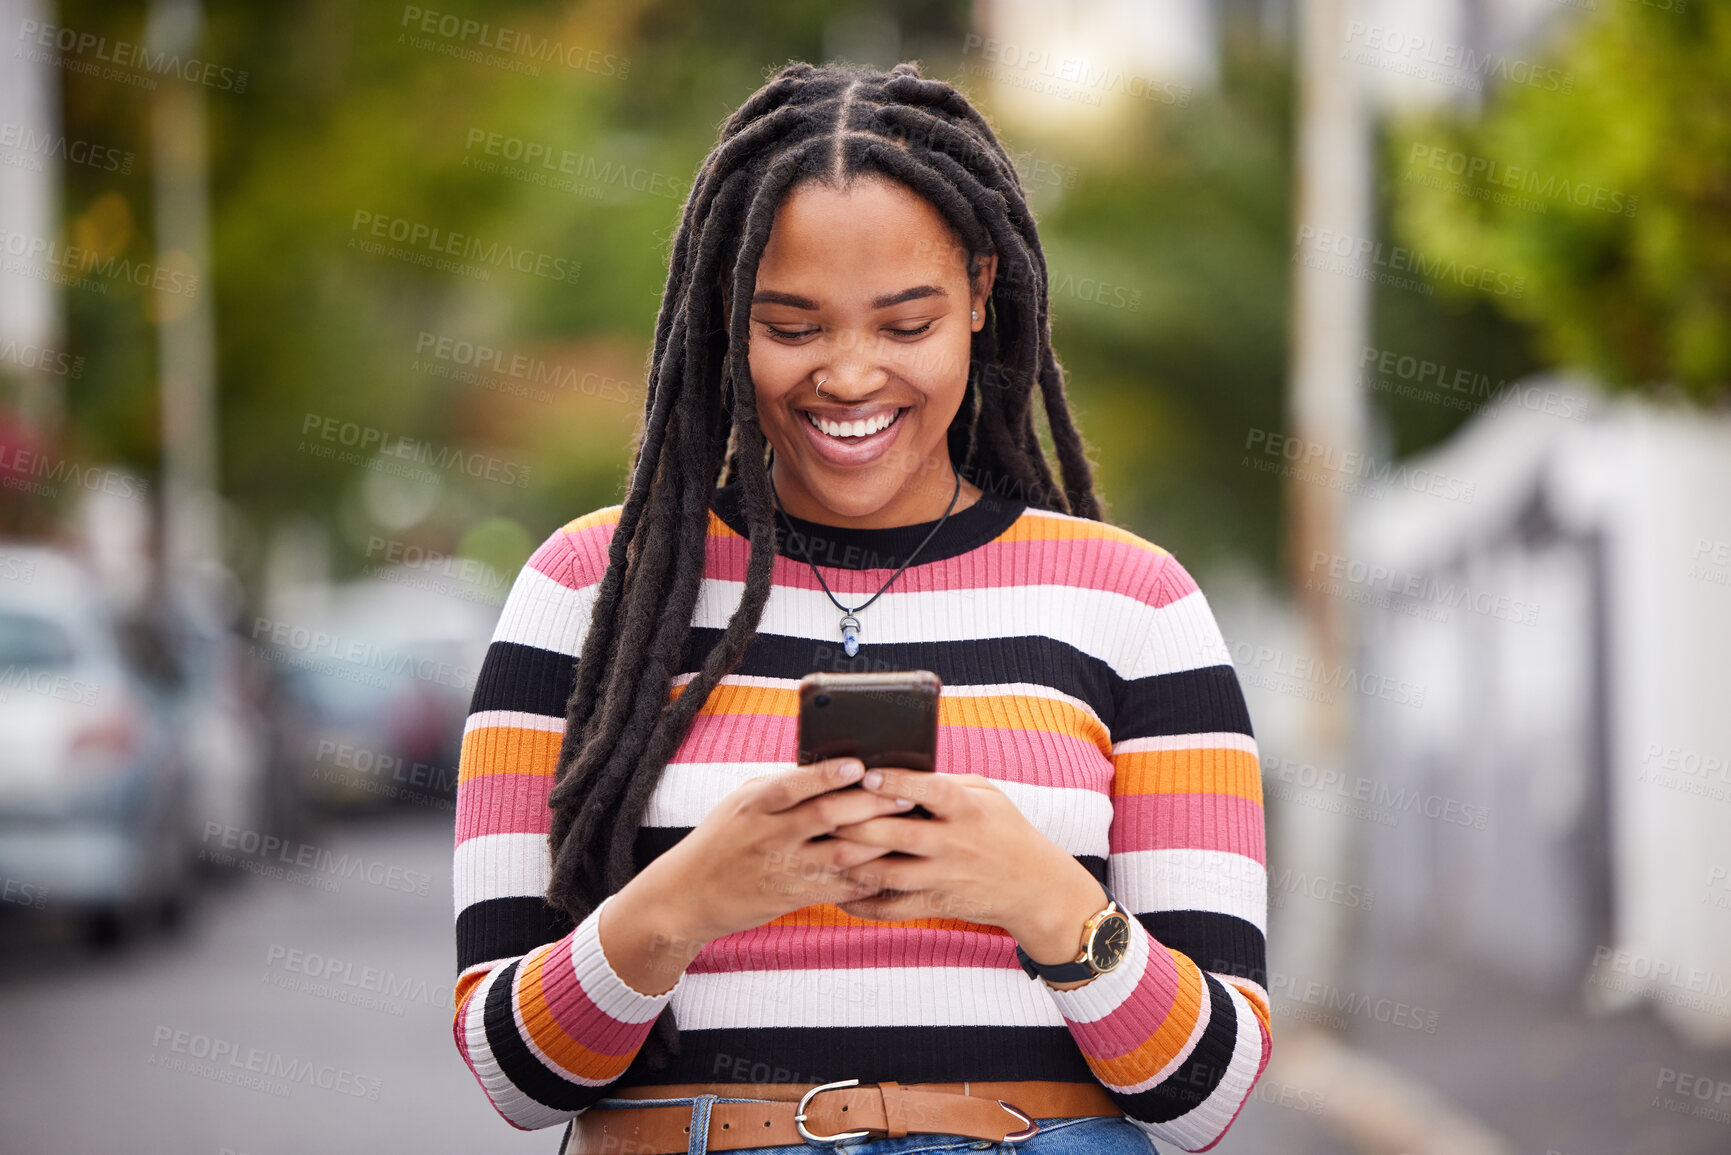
<point x="1064" y="972"/>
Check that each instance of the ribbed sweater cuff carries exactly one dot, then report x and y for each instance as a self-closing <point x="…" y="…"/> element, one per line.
<point x="602" y="983"/>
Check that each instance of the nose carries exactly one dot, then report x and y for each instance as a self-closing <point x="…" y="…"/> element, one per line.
<point x="849" y="379"/>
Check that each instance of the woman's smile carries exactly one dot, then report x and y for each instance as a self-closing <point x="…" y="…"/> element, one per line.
<point x="855" y="435"/>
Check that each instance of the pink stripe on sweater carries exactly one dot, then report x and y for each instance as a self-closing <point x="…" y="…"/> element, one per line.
<point x="866" y="946"/>
<point x="504" y="804"/>
<point x="1130" y="1024"/>
<point x="577" y="1014"/>
<point x="1090" y="563"/>
<point x="1187" y="822"/>
<point x="1094" y="564"/>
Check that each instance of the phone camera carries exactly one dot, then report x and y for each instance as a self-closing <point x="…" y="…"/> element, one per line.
<point x="820" y="700"/>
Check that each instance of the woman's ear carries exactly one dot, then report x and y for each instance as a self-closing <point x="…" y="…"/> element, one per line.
<point x="981" y="290"/>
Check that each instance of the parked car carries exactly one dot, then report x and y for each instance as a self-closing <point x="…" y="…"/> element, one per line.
<point x="379" y="675"/>
<point x="93" y="793"/>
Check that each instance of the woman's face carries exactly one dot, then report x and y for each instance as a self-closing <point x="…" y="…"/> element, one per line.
<point x="865" y="291"/>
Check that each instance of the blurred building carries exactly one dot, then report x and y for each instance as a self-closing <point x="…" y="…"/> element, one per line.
<point x="1569" y="609"/>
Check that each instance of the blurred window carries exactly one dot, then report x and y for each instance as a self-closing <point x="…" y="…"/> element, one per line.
<point x="34" y="642"/>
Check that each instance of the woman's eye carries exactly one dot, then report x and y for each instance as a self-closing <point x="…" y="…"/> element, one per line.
<point x="788" y="334"/>
<point x="911" y="332"/>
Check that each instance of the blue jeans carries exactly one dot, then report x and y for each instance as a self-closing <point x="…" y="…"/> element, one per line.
<point x="1073" y="1135"/>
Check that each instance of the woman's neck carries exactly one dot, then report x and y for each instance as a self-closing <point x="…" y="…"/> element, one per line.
<point x="924" y="497"/>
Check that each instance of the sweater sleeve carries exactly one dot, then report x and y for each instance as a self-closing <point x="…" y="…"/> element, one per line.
<point x="542" y="1019"/>
<point x="1178" y="1033"/>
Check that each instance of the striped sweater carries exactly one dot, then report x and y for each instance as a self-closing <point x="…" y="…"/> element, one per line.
<point x="1083" y="674"/>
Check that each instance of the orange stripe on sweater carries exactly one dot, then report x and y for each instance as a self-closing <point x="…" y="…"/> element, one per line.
<point x="1167" y="1039"/>
<point x="508" y="750"/>
<point x="546" y="1033"/>
<point x="1033" y="527"/>
<point x="1201" y="770"/>
<point x="1001" y="711"/>
<point x="831" y="915"/>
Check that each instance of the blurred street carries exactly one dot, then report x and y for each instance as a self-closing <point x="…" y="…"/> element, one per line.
<point x="88" y="1068"/>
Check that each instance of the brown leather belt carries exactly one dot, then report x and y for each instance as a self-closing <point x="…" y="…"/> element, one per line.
<point x="793" y="1114"/>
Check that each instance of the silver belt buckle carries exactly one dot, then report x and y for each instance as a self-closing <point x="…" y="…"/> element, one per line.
<point x="1025" y="1133"/>
<point x="799" y="1116"/>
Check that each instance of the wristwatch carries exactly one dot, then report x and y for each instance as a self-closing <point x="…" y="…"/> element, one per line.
<point x="1105" y="942"/>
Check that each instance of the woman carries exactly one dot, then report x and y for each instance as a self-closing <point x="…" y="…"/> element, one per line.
<point x="653" y="938"/>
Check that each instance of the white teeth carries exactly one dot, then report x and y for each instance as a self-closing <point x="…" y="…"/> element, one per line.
<point x="863" y="428"/>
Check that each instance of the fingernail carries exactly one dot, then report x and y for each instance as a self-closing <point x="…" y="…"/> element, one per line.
<point x="904" y="803"/>
<point x="851" y="769"/>
<point x="873" y="780"/>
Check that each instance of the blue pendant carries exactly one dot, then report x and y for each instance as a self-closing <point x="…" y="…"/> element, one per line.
<point x="850" y="635"/>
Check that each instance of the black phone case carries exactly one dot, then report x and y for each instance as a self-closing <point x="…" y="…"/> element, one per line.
<point x="883" y="719"/>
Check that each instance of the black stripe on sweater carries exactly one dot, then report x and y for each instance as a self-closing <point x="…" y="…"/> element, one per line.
<point x="910" y="1054"/>
<point x="1200" y="701"/>
<point x="518" y="677"/>
<point x="507" y="927"/>
<point x="518" y="1063"/>
<point x="1222" y="943"/>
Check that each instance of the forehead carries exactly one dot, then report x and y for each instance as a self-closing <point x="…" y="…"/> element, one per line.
<point x="875" y="236"/>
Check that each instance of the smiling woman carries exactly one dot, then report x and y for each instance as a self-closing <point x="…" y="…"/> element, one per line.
<point x="1068" y="954"/>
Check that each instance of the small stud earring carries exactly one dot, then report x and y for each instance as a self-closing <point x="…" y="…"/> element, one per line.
<point x="975" y="314"/>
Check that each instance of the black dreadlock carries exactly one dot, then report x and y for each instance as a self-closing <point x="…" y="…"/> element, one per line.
<point x="807" y="123"/>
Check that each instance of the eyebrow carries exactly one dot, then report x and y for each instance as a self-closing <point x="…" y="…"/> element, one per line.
<point x="795" y="301"/>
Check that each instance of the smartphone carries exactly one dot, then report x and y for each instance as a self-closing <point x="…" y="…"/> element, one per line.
<point x="883" y="719"/>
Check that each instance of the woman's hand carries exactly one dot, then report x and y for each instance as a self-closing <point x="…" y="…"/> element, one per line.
<point x="977" y="858"/>
<point x="751" y="859"/>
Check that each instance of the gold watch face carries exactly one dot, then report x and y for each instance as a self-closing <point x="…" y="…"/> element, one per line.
<point x="1110" y="943"/>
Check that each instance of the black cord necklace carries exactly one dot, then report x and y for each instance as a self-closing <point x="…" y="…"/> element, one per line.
<point x="849" y="623"/>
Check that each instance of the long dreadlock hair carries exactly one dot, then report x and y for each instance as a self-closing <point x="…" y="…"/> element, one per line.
<point x="827" y="124"/>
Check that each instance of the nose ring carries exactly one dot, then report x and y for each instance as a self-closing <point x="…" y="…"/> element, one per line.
<point x="820" y="385"/>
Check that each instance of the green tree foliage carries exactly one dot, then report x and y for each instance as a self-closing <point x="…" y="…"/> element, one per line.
<point x="1611" y="200"/>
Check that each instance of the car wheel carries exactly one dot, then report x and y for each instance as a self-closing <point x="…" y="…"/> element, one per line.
<point x="103" y="928"/>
